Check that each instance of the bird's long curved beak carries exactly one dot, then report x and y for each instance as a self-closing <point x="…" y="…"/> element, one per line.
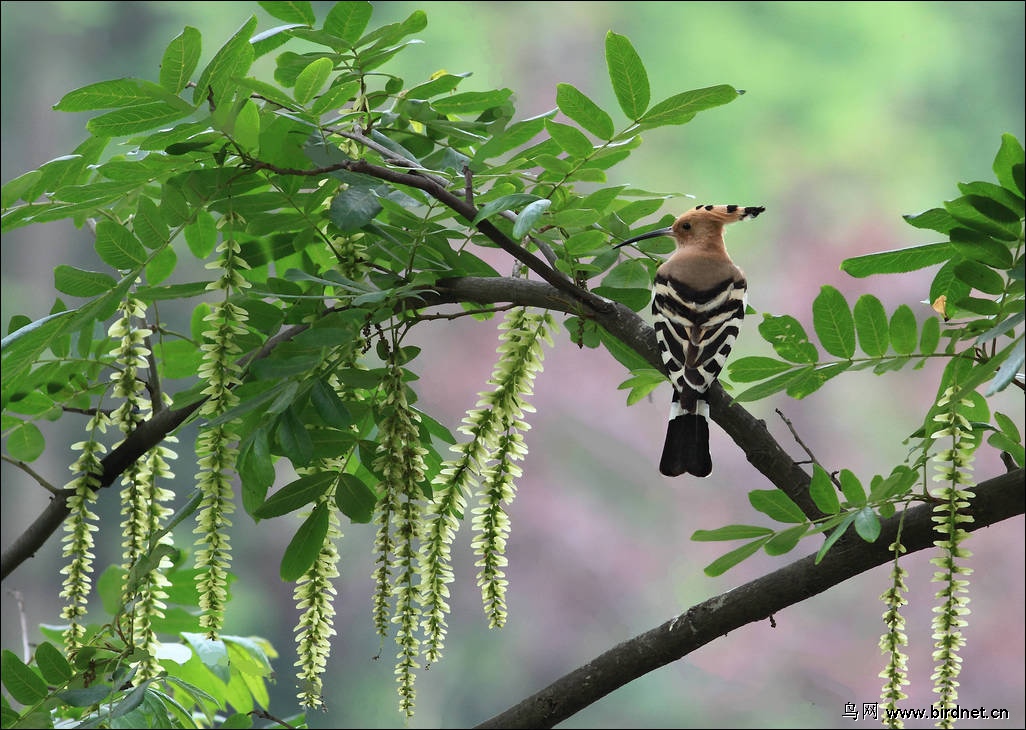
<point x="651" y="234"/>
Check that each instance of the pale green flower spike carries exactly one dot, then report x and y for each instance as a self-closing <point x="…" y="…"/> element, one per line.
<point x="315" y="597"/>
<point x="954" y="465"/>
<point x="891" y="643"/>
<point x="484" y="466"/>
<point x="79" y="528"/>
<point x="216" y="448"/>
<point x="400" y="462"/>
<point x="142" y="501"/>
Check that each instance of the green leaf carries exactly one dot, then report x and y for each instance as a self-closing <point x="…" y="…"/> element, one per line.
<point x="867" y="524"/>
<point x="994" y="203"/>
<point x="161" y="265"/>
<point x="980" y="277"/>
<point x="20" y="189"/>
<point x="985" y="215"/>
<point x="1007" y="426"/>
<point x="627" y="75"/>
<point x="530" y="215"/>
<point x="512" y="137"/>
<point x="570" y="139"/>
<point x="930" y="336"/>
<point x="504" y="202"/>
<point x="52" y="664"/>
<point x="1008" y="165"/>
<point x="81" y="283"/>
<point x="1008" y="438"/>
<point x="232" y="60"/>
<point x="631" y="274"/>
<point x="471" y="102"/>
<point x="852" y="488"/>
<point x="823" y="492"/>
<point x="256" y="470"/>
<point x="389" y="34"/>
<point x="24" y="685"/>
<point x="92" y="695"/>
<point x="788" y="338"/>
<point x="899" y="261"/>
<point x="329" y="406"/>
<point x="895" y="485"/>
<point x="306" y="545"/>
<point x="348" y="20"/>
<point x="148" y="224"/>
<point x="946" y="284"/>
<point x="935" y="219"/>
<point x="201" y="234"/>
<point x="269" y="91"/>
<point x="755" y="368"/>
<point x="725" y="562"/>
<point x="180" y="59"/>
<point x="211" y="652"/>
<point x="135" y="119"/>
<point x="681" y="108"/>
<point x="246" y="131"/>
<point x="834" y="536"/>
<point x="311" y="79"/>
<point x="903" y="330"/>
<point x="1010" y="200"/>
<point x="785" y="541"/>
<point x="25" y="442"/>
<point x="578" y="107"/>
<point x="293" y="438"/>
<point x="119" y="94"/>
<point x="294" y="495"/>
<point x="355" y="499"/>
<point x="353" y="208"/>
<point x="291" y="11"/>
<point x="871" y="325"/>
<point x="731" y="532"/>
<point x="117" y="246"/>
<point x="814" y="378"/>
<point x="773" y="385"/>
<point x="641" y="384"/>
<point x="980" y="247"/>
<point x="776" y="504"/>
<point x="833" y="322"/>
<point x="1013" y="448"/>
<point x="591" y="242"/>
<point x="626" y="356"/>
<point x="1009" y="368"/>
<point x="441" y="84"/>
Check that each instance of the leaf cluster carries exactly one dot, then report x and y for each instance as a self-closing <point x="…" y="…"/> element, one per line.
<point x="978" y="292"/>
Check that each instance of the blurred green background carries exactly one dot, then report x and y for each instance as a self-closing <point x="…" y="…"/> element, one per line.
<point x="855" y="114"/>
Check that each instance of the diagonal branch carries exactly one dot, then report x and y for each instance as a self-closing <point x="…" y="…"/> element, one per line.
<point x="748" y="432"/>
<point x="996" y="499"/>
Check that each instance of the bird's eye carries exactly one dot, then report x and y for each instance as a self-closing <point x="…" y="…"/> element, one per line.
<point x="686" y="226"/>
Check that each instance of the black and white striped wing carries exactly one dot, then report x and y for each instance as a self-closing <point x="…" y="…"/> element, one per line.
<point x="696" y="331"/>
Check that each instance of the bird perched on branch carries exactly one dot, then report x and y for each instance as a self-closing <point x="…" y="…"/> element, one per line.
<point x="699" y="302"/>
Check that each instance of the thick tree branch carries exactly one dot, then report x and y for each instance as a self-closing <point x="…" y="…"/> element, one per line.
<point x="996" y="499"/>
<point x="750" y="433"/>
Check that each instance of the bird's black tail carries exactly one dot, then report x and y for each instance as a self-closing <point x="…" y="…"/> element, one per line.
<point x="686" y="449"/>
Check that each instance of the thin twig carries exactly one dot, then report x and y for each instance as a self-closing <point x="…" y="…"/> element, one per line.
<point x="153" y="380"/>
<point x="28" y="470"/>
<point x="806" y="449"/>
<point x="87" y="411"/>
<point x="467" y="313"/>
<point x="26" y="649"/>
<point x="468" y="185"/>
<point x="265" y="715"/>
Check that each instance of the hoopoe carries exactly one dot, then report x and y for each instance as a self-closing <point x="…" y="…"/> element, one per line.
<point x="699" y="301"/>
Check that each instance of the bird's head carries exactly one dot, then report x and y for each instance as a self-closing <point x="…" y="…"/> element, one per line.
<point x="701" y="223"/>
